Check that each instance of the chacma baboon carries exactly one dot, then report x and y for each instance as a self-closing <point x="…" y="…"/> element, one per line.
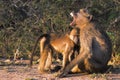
<point x="95" y="45"/>
<point x="63" y="44"/>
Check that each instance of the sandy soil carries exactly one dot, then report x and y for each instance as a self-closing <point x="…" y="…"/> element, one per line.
<point x="23" y="72"/>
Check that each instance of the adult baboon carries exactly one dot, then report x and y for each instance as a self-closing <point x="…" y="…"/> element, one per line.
<point x="64" y="44"/>
<point x="95" y="45"/>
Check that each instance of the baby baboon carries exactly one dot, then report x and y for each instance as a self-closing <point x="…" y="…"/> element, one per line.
<point x="95" y="45"/>
<point x="64" y="44"/>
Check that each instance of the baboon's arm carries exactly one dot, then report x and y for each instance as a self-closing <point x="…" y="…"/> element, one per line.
<point x="79" y="59"/>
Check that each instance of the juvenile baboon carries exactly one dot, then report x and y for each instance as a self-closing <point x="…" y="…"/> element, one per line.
<point x="63" y="44"/>
<point x="95" y="45"/>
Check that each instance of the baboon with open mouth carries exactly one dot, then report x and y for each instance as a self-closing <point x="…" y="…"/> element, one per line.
<point x="95" y="45"/>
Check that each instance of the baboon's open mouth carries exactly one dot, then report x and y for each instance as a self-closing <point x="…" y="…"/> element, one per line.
<point x="73" y="16"/>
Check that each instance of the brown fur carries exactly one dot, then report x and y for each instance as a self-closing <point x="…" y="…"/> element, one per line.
<point x="63" y="44"/>
<point x="95" y="45"/>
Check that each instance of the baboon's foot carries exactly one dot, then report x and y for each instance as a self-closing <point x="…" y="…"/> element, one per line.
<point x="44" y="72"/>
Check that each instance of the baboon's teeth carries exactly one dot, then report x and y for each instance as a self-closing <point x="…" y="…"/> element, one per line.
<point x="71" y="14"/>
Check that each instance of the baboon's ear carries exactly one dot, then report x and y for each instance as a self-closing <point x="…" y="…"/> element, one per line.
<point x="85" y="13"/>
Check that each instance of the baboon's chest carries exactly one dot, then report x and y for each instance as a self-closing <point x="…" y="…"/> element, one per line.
<point x="85" y="38"/>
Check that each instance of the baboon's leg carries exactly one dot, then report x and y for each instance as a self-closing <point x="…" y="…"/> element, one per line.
<point x="43" y="59"/>
<point x="48" y="61"/>
<point x="65" y="60"/>
<point x="65" y="56"/>
<point x="42" y="44"/>
<point x="70" y="55"/>
<point x="87" y="64"/>
<point x="92" y="66"/>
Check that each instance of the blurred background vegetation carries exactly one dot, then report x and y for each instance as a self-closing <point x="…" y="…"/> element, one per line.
<point x="22" y="21"/>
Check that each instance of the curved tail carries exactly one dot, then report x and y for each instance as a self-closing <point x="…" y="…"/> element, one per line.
<point x="33" y="51"/>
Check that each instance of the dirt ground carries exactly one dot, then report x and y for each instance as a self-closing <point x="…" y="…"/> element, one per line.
<point x="21" y="71"/>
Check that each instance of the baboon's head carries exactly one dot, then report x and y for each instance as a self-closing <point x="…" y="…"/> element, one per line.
<point x="81" y="18"/>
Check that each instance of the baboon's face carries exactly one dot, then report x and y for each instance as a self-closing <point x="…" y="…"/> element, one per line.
<point x="80" y="18"/>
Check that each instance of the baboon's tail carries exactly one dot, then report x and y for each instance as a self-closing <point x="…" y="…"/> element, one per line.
<point x="34" y="49"/>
